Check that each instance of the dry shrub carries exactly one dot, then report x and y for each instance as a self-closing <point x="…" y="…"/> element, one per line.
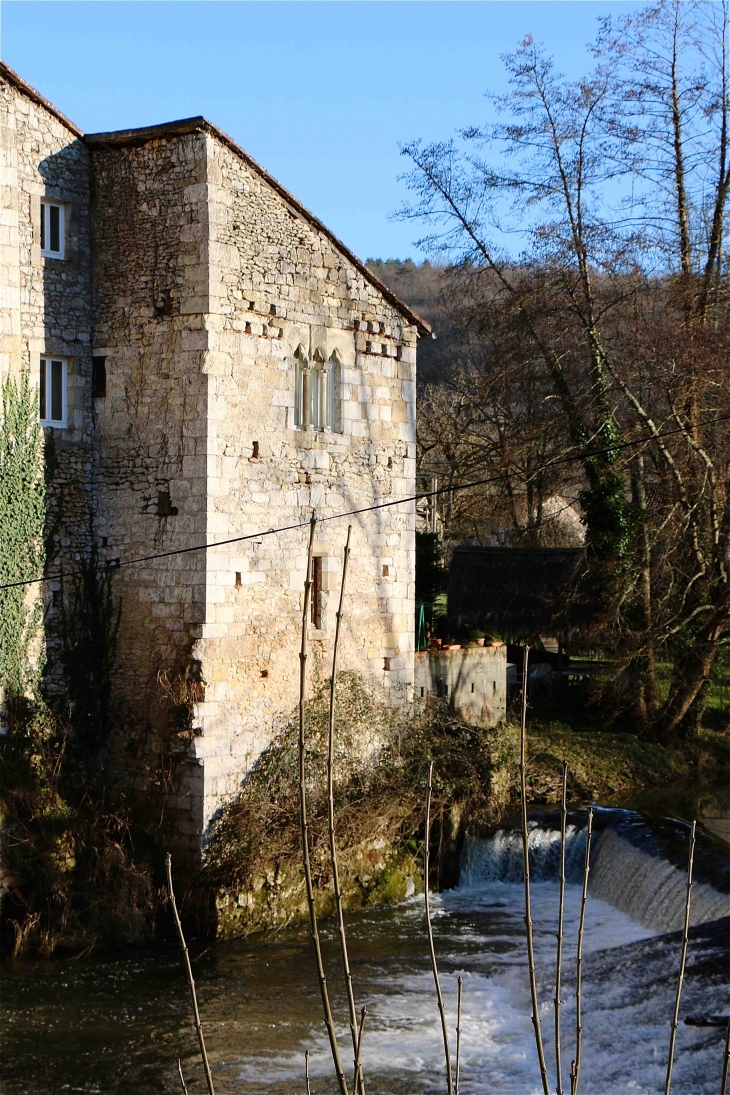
<point x="70" y="858"/>
<point x="381" y="767"/>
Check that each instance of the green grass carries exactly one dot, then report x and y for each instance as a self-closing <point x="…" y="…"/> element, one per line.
<point x="609" y="765"/>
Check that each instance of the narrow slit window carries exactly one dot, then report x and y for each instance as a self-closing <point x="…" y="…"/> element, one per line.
<point x="52" y="230"/>
<point x="52" y="392"/>
<point x="316" y="592"/>
<point x="98" y="377"/>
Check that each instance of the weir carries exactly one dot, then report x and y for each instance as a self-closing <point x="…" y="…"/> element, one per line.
<point x="649" y="888"/>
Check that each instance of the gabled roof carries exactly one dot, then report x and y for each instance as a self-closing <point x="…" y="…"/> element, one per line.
<point x="12" y="77"/>
<point x="200" y="124"/>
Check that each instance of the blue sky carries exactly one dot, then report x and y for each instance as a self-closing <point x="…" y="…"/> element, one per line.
<point x="321" y="94"/>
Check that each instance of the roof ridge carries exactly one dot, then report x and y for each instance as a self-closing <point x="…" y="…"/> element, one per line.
<point x="30" y="91"/>
<point x="199" y="123"/>
<point x="189" y="125"/>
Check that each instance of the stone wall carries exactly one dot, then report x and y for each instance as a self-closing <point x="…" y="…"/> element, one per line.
<point x="473" y="678"/>
<point x="279" y="286"/>
<point x="204" y="282"/>
<point x="150" y="301"/>
<point x="45" y="308"/>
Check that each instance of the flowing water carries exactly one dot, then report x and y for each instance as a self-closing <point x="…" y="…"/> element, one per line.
<point x="111" y="1025"/>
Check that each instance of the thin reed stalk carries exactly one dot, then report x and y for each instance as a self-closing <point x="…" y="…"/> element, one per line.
<point x="304" y="824"/>
<point x="682" y="961"/>
<point x="429" y="928"/>
<point x="575" y="1065"/>
<point x="725" y="1062"/>
<point x="459" y="987"/>
<point x="306" y="1073"/>
<point x="182" y="1078"/>
<point x="191" y="983"/>
<point x="526" y="868"/>
<point x="358" y="1050"/>
<point x="561" y="912"/>
<point x="359" y="1082"/>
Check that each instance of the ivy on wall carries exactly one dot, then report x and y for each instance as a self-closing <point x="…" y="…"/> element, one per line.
<point x="22" y="516"/>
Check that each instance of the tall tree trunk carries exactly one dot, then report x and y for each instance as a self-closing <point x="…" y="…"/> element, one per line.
<point x="688" y="693"/>
<point x="648" y="685"/>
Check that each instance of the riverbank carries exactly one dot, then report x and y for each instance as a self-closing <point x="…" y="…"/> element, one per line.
<point x="252" y="863"/>
<point x="85" y="877"/>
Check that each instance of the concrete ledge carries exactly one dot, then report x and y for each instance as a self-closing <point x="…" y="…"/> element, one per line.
<point x="473" y="679"/>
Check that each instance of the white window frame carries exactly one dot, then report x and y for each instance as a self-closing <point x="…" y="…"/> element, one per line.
<point x="46" y="369"/>
<point x="46" y="206"/>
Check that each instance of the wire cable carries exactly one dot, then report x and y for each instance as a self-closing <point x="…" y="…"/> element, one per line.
<point x="117" y="564"/>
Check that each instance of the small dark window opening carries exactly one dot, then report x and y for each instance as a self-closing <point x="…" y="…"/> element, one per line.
<point x="248" y="329"/>
<point x="238" y="579"/>
<point x="56" y="598"/>
<point x="494" y="686"/>
<point x="272" y="309"/>
<point x="386" y="571"/>
<point x="105" y="541"/>
<point x="472" y="686"/>
<point x="255" y="453"/>
<point x="390" y="461"/>
<point x="251" y="305"/>
<point x="98" y="377"/>
<point x="423" y="690"/>
<point x="165" y="507"/>
<point x="316" y="592"/>
<point x="54" y="219"/>
<point x="386" y="663"/>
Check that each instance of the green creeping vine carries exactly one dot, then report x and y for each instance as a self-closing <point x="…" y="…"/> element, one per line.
<point x="22" y="516"/>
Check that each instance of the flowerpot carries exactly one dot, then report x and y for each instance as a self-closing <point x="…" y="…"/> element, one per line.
<point x="435" y="644"/>
<point x="479" y="642"/>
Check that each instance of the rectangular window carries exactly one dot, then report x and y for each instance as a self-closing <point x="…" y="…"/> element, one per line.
<point x="52" y="230"/>
<point x="316" y="592"/>
<point x="98" y="377"/>
<point x="52" y="392"/>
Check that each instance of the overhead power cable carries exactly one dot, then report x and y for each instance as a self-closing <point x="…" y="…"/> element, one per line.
<point x="117" y="564"/>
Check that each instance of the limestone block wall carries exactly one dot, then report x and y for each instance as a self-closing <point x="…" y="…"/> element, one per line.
<point x="198" y="280"/>
<point x="45" y="309"/>
<point x="474" y="679"/>
<point x="150" y="301"/>
<point x="278" y="287"/>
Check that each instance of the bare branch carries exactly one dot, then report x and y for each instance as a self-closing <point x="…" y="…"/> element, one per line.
<point x="191" y="983"/>
<point x="304" y="824"/>
<point x="682" y="961"/>
<point x="526" y="871"/>
<point x="429" y="929"/>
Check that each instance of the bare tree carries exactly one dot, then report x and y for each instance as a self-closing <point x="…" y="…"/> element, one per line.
<point x="617" y="187"/>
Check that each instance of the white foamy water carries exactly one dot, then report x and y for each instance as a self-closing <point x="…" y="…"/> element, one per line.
<point x="629" y="980"/>
<point x="117" y="1024"/>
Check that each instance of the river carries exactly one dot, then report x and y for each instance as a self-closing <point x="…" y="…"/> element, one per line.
<point x="111" y="1024"/>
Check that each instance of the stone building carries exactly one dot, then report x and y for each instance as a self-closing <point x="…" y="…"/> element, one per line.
<point x="212" y="363"/>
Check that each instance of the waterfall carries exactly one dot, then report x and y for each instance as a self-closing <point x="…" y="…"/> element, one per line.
<point x="647" y="887"/>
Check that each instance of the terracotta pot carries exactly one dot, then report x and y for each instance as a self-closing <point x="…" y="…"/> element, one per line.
<point x="435" y="644"/>
<point x="479" y="642"/>
<point x="454" y="646"/>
